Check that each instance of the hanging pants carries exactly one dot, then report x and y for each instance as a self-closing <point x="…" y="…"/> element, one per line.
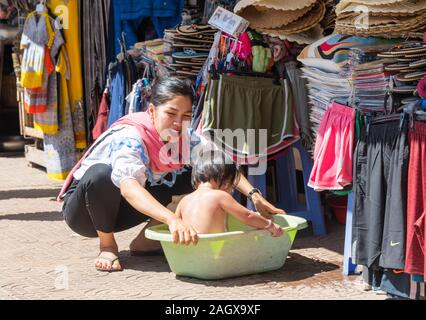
<point x="416" y="209"/>
<point x="379" y="233"/>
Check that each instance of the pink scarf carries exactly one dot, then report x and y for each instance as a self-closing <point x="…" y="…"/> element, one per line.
<point x="151" y="139"/>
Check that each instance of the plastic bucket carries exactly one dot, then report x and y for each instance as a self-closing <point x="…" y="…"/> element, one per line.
<point x="242" y="251"/>
<point x="340" y="208"/>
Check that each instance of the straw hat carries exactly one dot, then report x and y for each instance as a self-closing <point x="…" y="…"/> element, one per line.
<point x="418" y="64"/>
<point x="306" y="37"/>
<point x="408" y="77"/>
<point x="382" y="25"/>
<point x="383" y="21"/>
<point x="310" y="19"/>
<point x="271" y="18"/>
<point x="283" y="5"/>
<point x="406" y="7"/>
<point x="398" y="67"/>
<point x="406" y="54"/>
<point x="345" y="3"/>
<point x="194" y="30"/>
<point x="405" y="59"/>
<point x="404" y="89"/>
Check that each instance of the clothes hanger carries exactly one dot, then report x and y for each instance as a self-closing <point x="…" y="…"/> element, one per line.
<point x="420" y="116"/>
<point x="123" y="54"/>
<point x="215" y="74"/>
<point x="41" y="7"/>
<point x="415" y="113"/>
<point x="387" y="118"/>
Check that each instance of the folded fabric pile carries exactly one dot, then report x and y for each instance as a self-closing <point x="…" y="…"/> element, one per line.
<point x="327" y="70"/>
<point x="369" y="77"/>
<point x="385" y="18"/>
<point x="323" y="87"/>
<point x="292" y="20"/>
<point x="186" y="49"/>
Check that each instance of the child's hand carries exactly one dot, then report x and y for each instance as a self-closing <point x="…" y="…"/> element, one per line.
<point x="276" y="230"/>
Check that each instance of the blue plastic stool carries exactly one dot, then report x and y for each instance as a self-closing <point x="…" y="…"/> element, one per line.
<point x="348" y="266"/>
<point x="287" y="189"/>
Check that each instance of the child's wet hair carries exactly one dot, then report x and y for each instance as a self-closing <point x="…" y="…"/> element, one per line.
<point x="216" y="167"/>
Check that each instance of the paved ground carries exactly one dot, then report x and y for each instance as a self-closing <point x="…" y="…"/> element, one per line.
<point x="40" y="258"/>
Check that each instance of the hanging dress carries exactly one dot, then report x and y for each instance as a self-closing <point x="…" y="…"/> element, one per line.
<point x="69" y="9"/>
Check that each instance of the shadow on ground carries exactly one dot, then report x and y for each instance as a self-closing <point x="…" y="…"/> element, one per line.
<point x="144" y="264"/>
<point x="29" y="194"/>
<point x="296" y="268"/>
<point x="334" y="240"/>
<point x="39" y="216"/>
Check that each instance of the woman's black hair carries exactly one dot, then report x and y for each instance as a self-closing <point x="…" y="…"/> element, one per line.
<point x="167" y="89"/>
<point x="218" y="168"/>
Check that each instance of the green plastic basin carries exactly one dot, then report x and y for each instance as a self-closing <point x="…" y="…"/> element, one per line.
<point x="239" y="252"/>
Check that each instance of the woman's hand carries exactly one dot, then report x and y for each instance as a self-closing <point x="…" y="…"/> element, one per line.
<point x="265" y="208"/>
<point x="181" y="233"/>
<point x="140" y="199"/>
<point x="276" y="230"/>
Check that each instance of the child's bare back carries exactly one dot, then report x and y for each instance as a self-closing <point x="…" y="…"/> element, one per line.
<point x="202" y="210"/>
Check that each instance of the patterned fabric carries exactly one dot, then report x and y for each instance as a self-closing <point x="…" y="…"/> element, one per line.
<point x="332" y="52"/>
<point x="60" y="148"/>
<point x="37" y="35"/>
<point x="46" y="98"/>
<point x="47" y="122"/>
<point x="40" y="42"/>
<point x="72" y="45"/>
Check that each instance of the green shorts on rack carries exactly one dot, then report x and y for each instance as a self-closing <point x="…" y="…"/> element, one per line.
<point x="237" y="102"/>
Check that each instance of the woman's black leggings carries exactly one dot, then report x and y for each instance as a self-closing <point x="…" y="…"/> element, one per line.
<point x="95" y="204"/>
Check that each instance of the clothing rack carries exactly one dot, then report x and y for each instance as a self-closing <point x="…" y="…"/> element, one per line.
<point x="413" y="115"/>
<point x="215" y="74"/>
<point x="34" y="152"/>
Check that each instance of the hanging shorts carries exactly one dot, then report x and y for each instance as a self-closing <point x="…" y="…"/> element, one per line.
<point x="239" y="104"/>
<point x="334" y="146"/>
<point x="416" y="208"/>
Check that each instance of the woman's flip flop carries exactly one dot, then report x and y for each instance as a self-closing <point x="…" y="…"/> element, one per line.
<point x="111" y="260"/>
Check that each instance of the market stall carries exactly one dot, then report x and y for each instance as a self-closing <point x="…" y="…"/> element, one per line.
<point x="337" y="88"/>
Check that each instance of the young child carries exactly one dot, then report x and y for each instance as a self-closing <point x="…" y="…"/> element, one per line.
<point x="207" y="208"/>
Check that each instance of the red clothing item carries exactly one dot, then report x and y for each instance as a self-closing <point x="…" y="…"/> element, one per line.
<point x="48" y="62"/>
<point x="334" y="150"/>
<point x="102" y="121"/>
<point x="421" y="88"/>
<point x="416" y="207"/>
